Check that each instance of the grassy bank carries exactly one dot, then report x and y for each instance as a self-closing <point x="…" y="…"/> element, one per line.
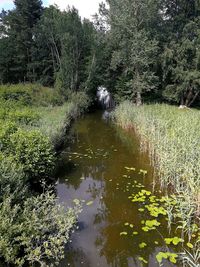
<point x="172" y="138"/>
<point x="34" y="122"/>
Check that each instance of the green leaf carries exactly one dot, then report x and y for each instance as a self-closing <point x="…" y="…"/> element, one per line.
<point x="142" y="259"/>
<point x="189" y="245"/>
<point x="160" y="256"/>
<point x="135" y="233"/>
<point x="123" y="233"/>
<point x="142" y="245"/>
<point x="175" y="240"/>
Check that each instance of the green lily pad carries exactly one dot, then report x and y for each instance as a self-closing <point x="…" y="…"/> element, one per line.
<point x="142" y="245"/>
<point x="142" y="260"/>
<point x="175" y="240"/>
<point x="190" y="245"/>
<point x="135" y="233"/>
<point x="123" y="233"/>
<point x="166" y="255"/>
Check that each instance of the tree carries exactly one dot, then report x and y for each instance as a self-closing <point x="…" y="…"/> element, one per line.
<point x="181" y="65"/>
<point x="134" y="51"/>
<point x="180" y="59"/>
<point x="46" y="46"/>
<point x="18" y="30"/>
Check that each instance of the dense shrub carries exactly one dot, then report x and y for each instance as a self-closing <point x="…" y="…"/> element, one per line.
<point x="12" y="179"/>
<point x="33" y="227"/>
<point x="16" y="94"/>
<point x="25" y="116"/>
<point x="35" y="231"/>
<point x="30" y="94"/>
<point x="33" y="151"/>
<point x="80" y="103"/>
<point x="7" y="128"/>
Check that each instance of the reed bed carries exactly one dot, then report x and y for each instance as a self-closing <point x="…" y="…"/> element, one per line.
<point x="172" y="138"/>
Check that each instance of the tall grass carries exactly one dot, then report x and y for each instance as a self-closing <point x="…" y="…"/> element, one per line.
<point x="55" y="121"/>
<point x="172" y="138"/>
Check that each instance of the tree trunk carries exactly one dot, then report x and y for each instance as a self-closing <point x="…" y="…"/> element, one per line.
<point x="193" y="99"/>
<point x="138" y="99"/>
<point x="90" y="72"/>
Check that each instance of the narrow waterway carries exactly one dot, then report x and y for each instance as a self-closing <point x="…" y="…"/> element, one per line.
<point x="106" y="168"/>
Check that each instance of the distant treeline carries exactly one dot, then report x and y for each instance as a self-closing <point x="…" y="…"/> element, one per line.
<point x="139" y="49"/>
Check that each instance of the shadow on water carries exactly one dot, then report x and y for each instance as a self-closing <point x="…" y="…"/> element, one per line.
<point x="98" y="157"/>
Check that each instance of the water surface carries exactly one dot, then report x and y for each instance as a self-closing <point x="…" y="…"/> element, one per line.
<point x="100" y="155"/>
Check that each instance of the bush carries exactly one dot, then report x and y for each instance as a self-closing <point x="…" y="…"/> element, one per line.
<point x="33" y="151"/>
<point x="36" y="231"/>
<point x="16" y="94"/>
<point x="30" y="94"/>
<point x="7" y="128"/>
<point x="80" y="103"/>
<point x="12" y="180"/>
<point x="26" y="116"/>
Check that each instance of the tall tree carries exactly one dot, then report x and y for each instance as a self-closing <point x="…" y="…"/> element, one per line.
<point x="134" y="48"/>
<point x="20" y="23"/>
<point x="180" y="59"/>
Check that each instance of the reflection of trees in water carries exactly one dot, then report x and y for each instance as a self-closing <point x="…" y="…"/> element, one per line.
<point x="95" y="189"/>
<point x="75" y="257"/>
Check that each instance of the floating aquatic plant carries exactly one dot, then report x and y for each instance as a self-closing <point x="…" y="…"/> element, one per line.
<point x="142" y="245"/>
<point x="174" y="240"/>
<point x="142" y="260"/>
<point x="123" y="233"/>
<point x="172" y="257"/>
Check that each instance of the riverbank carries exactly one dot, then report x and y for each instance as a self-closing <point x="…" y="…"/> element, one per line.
<point x="171" y="137"/>
<point x="33" y="227"/>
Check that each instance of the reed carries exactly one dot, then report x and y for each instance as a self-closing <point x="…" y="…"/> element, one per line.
<point x="172" y="138"/>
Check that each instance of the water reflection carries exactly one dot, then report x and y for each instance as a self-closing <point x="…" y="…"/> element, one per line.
<point x="100" y="154"/>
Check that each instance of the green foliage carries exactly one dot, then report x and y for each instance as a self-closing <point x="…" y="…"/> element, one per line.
<point x="35" y="231"/>
<point x="7" y="128"/>
<point x="33" y="151"/>
<point x="12" y="179"/>
<point x="166" y="255"/>
<point x="134" y="50"/>
<point x="175" y="240"/>
<point x="30" y="94"/>
<point x="181" y="66"/>
<point x="26" y="116"/>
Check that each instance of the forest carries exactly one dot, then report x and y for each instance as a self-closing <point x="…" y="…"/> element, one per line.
<point x="139" y="50"/>
<point x="146" y="53"/>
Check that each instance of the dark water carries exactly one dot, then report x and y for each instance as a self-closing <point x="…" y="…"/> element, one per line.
<point x="100" y="154"/>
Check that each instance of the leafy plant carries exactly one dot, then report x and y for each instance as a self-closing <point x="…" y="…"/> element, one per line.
<point x="33" y="151"/>
<point x="35" y="231"/>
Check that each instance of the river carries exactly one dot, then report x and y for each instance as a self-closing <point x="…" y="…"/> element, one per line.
<point x="102" y="167"/>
